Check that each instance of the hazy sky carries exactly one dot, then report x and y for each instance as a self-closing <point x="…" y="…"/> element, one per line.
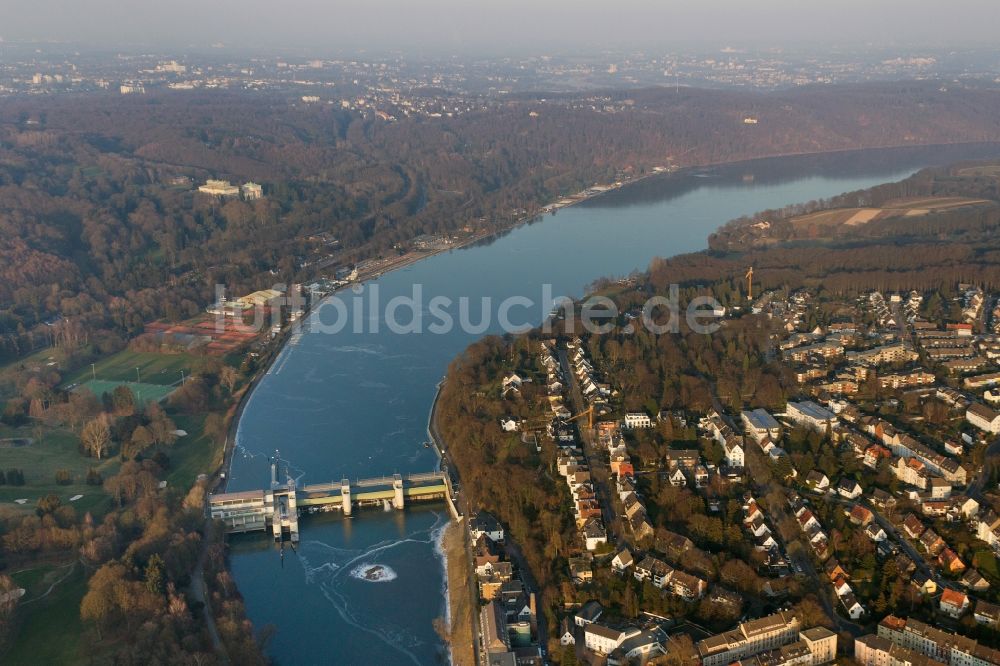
<point x="471" y="25"/>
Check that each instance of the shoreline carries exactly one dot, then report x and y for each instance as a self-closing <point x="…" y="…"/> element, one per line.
<point x="456" y="562"/>
<point x="281" y="346"/>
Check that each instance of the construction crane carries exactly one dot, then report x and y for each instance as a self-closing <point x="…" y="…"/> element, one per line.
<point x="749" y="277"/>
<point x="589" y="413"/>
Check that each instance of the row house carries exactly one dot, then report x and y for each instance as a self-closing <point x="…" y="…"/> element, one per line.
<point x="963" y="365"/>
<point x="873" y="650"/>
<point x="905" y="446"/>
<point x="573" y="467"/>
<point x="755" y="523"/>
<point x="939" y="354"/>
<point x="813" y="530"/>
<point x="945" y="646"/>
<point x="982" y="381"/>
<point x="884" y="355"/>
<point x="749" y="639"/>
<point x="911" y="471"/>
<point x="828" y="349"/>
<point x="906" y="380"/>
<point x="654" y="570"/>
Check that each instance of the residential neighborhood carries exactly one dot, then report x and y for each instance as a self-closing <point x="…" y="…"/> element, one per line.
<point x="865" y="491"/>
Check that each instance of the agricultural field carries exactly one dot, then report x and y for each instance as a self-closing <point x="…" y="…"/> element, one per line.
<point x="827" y="220"/>
<point x="985" y="170"/>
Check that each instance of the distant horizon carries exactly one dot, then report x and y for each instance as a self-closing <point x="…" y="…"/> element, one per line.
<point x="839" y="51"/>
<point x="452" y="27"/>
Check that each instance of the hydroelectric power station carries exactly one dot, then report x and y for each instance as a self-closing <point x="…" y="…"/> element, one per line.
<point x="280" y="506"/>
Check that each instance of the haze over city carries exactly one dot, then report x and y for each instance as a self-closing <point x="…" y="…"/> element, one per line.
<point x="501" y="27"/>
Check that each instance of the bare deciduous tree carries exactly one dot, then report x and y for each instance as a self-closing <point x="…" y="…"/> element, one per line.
<point x="96" y="436"/>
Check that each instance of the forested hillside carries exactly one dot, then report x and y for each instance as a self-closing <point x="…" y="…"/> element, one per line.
<point x="95" y="226"/>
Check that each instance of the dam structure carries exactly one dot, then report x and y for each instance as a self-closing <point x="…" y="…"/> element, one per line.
<point x="279" y="507"/>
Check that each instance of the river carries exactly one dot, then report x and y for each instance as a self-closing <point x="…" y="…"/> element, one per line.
<point x="356" y="404"/>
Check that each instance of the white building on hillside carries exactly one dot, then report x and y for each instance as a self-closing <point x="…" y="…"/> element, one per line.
<point x="759" y="424"/>
<point x="634" y="420"/>
<point x="983" y="417"/>
<point x="810" y="415"/>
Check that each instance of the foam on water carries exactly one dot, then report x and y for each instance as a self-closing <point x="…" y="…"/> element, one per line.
<point x="373" y="573"/>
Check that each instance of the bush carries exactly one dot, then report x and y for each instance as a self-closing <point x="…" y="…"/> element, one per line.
<point x="94" y="477"/>
<point x="47" y="504"/>
<point x="64" y="477"/>
<point x="162" y="460"/>
<point x="15" y="477"/>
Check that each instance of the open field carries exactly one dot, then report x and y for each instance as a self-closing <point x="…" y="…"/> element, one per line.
<point x="908" y="207"/>
<point x="193" y="454"/>
<point x="162" y="369"/>
<point x="50" y="628"/>
<point x="931" y="204"/>
<point x="52" y="451"/>
<point x="143" y="392"/>
<point x="988" y="170"/>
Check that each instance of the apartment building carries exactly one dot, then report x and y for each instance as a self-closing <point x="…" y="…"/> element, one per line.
<point x="872" y="650"/>
<point x="946" y="647"/>
<point x="749" y="639"/>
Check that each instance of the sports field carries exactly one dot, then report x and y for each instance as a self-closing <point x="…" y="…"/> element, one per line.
<point x="143" y="392"/>
<point x="160" y="374"/>
<point x="153" y="368"/>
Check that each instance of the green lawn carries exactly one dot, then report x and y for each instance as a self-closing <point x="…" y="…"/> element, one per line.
<point x="45" y="358"/>
<point x="142" y="393"/>
<point x="986" y="562"/>
<point x="54" y="450"/>
<point x="192" y="454"/>
<point x="163" y="369"/>
<point x="50" y="627"/>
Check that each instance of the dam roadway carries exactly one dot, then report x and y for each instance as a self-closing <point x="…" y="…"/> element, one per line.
<point x="279" y="506"/>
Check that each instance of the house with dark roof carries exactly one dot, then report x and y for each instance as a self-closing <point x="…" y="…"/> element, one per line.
<point x="589" y="612"/>
<point x="913" y="526"/>
<point x="931" y="542"/>
<point x="484" y="523"/>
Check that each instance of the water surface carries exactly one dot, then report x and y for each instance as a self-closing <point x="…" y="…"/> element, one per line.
<point x="356" y="405"/>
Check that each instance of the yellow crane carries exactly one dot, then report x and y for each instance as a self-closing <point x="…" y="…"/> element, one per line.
<point x="749" y="277"/>
<point x="589" y="413"/>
